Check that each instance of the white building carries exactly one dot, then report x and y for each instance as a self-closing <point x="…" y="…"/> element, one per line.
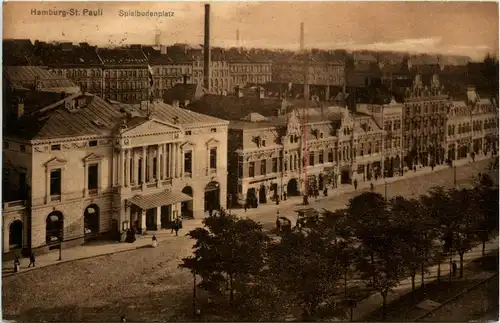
<point x="84" y="166"/>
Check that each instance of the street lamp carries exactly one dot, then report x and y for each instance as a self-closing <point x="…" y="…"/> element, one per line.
<point x="60" y="244"/>
<point x="385" y="189"/>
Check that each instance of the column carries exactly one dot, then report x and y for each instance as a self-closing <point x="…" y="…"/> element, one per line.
<point x="120" y="168"/>
<point x="151" y="165"/>
<point x="86" y="180"/>
<point x="143" y="165"/>
<point x="158" y="218"/>
<point x="127" y="167"/>
<point x="165" y="162"/>
<point x="158" y="163"/>
<point x="173" y="160"/>
<point x="135" y="170"/>
<point x="142" y="221"/>
<point x="456" y="152"/>
<point x="180" y="161"/>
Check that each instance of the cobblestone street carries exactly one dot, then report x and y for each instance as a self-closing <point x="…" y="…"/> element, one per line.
<point x="145" y="284"/>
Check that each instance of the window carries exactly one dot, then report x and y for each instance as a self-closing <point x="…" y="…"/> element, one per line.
<point x="22" y="186"/>
<point x="92" y="143"/>
<point x="155" y="175"/>
<point x="321" y="158"/>
<point x="188" y="161"/>
<point x="263" y="167"/>
<point x="311" y="158"/>
<point x="139" y="171"/>
<point x="330" y="156"/>
<point x="187" y="133"/>
<point x="275" y="165"/>
<point x="93" y="176"/>
<point x="251" y="169"/>
<point x="22" y="148"/>
<point x="55" y="147"/>
<point x="213" y="130"/>
<point x="213" y="158"/>
<point x="55" y="182"/>
<point x="240" y="167"/>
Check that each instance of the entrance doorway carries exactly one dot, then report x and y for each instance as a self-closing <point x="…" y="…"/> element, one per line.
<point x="274" y="190"/>
<point x="91" y="222"/>
<point x="212" y="196"/>
<point x="262" y="194"/>
<point x="166" y="216"/>
<point x="251" y="198"/>
<point x="187" y="206"/>
<point x="321" y="182"/>
<point x="16" y="235"/>
<point x="54" y="225"/>
<point x="345" y="176"/>
<point x="292" y="188"/>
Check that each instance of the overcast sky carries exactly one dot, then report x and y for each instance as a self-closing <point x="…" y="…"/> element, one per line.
<point x="469" y="28"/>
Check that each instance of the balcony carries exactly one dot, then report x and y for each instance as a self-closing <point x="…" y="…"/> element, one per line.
<point x="55" y="198"/>
<point x="94" y="192"/>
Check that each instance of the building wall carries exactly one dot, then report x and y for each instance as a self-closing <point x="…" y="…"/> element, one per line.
<point x="249" y="72"/>
<point x="166" y="76"/>
<point x="127" y="84"/>
<point x="318" y="73"/>
<point x="219" y="78"/>
<point x="89" y="78"/>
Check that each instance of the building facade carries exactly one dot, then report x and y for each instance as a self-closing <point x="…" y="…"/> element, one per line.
<point x="248" y="68"/>
<point x="424" y="123"/>
<point x="108" y="167"/>
<point x="297" y="153"/>
<point x="126" y="74"/>
<point x="472" y="128"/>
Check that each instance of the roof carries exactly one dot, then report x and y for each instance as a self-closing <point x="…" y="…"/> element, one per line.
<point x="150" y="201"/>
<point x="426" y="69"/>
<point x="183" y="92"/>
<point x="233" y="108"/>
<point x="168" y="113"/>
<point x="67" y="54"/>
<point x="122" y="56"/>
<point x="254" y="117"/>
<point x="19" y="52"/>
<point x="364" y="56"/>
<point x="27" y="77"/>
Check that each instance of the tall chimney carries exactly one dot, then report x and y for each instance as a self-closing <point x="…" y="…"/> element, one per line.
<point x="301" y="36"/>
<point x="238" y="38"/>
<point x="206" y="50"/>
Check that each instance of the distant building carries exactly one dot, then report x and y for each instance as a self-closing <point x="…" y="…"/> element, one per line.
<point x="37" y="78"/>
<point x="219" y="69"/>
<point x="248" y="67"/>
<point x="424" y="123"/>
<point x="81" y="64"/>
<point x="81" y="166"/>
<point x="19" y="52"/>
<point x="126" y="74"/>
<point x="472" y="127"/>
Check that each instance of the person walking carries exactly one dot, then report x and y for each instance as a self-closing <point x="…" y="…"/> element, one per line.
<point x="177" y="227"/>
<point x="245" y="206"/>
<point x="371" y="187"/>
<point x="278" y="224"/>
<point x="454" y="268"/>
<point x="32" y="259"/>
<point x="355" y="184"/>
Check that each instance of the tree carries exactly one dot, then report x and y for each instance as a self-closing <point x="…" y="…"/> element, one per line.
<point x="305" y="267"/>
<point x="487" y="203"/>
<point x="381" y="260"/>
<point x="227" y="252"/>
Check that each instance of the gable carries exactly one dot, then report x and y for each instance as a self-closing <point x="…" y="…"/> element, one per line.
<point x="150" y="127"/>
<point x="92" y="158"/>
<point x="55" y="162"/>
<point x="212" y="142"/>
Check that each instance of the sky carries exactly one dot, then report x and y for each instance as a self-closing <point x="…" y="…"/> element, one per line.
<point x="468" y="28"/>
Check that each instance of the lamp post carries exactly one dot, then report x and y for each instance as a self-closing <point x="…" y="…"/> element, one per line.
<point x="230" y="198"/>
<point x="454" y="175"/>
<point x="385" y="189"/>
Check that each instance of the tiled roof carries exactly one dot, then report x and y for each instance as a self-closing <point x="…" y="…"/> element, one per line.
<point x="98" y="117"/>
<point x="167" y="113"/>
<point x="25" y="77"/>
<point x="57" y="55"/>
<point x="159" y="59"/>
<point x="233" y="108"/>
<point x="19" y="52"/>
<point x="122" y="56"/>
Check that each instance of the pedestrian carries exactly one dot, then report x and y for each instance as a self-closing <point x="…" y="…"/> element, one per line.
<point x="278" y="224"/>
<point x="355" y="184"/>
<point x="173" y="227"/>
<point x="454" y="268"/>
<point x="154" y="241"/>
<point x="371" y="187"/>
<point x="17" y="264"/>
<point x="284" y="196"/>
<point x="32" y="259"/>
<point x="325" y="192"/>
<point x="479" y="175"/>
<point x="210" y="212"/>
<point x="245" y="206"/>
<point x="177" y="227"/>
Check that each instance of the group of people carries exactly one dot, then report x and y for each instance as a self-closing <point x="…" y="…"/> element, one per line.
<point x="17" y="262"/>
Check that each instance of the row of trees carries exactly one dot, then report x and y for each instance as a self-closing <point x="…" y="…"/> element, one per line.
<point x="377" y="241"/>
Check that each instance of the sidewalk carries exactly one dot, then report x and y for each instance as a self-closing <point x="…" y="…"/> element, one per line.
<point x="100" y="248"/>
<point x="374" y="302"/>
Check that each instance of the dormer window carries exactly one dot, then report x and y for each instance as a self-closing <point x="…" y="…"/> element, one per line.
<point x="55" y="147"/>
<point x="93" y="143"/>
<point x="213" y="130"/>
<point x="187" y="133"/>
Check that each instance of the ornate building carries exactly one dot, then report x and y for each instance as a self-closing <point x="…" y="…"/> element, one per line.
<point x="299" y="151"/>
<point x="424" y="127"/>
<point x="82" y="166"/>
<point x="472" y="127"/>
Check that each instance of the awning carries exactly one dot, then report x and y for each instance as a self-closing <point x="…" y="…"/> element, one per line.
<point x="150" y="201"/>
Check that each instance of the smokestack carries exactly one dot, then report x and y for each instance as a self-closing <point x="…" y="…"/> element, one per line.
<point x="157" y="38"/>
<point x="238" y="38"/>
<point x="301" y="36"/>
<point x="206" y="50"/>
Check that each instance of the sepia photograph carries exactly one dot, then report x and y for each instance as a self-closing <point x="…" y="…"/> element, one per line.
<point x="279" y="161"/>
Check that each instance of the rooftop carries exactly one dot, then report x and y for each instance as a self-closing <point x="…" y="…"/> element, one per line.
<point x="119" y="56"/>
<point x="63" y="54"/>
<point x="27" y="77"/>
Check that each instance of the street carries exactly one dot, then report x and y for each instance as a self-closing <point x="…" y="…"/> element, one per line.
<point x="145" y="284"/>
